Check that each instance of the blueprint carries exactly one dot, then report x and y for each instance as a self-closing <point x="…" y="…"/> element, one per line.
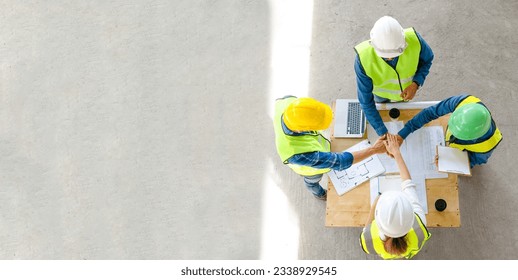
<point x="418" y="151"/>
<point x="348" y="179"/>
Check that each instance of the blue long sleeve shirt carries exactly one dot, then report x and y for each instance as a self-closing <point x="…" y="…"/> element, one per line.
<point x="442" y="108"/>
<point x="364" y="84"/>
<point x="320" y="160"/>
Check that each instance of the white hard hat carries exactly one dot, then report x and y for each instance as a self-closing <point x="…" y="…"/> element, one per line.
<point x="394" y="214"/>
<point x="388" y="37"/>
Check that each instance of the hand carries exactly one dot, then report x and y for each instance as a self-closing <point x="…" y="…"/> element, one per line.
<point x="392" y="145"/>
<point x="379" y="147"/>
<point x="436" y="159"/>
<point x="400" y="142"/>
<point x="409" y="92"/>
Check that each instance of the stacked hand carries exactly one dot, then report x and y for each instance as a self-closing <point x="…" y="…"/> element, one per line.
<point x="392" y="145"/>
<point x="379" y="146"/>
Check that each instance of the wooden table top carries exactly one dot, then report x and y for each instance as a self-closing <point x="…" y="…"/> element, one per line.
<point x="352" y="208"/>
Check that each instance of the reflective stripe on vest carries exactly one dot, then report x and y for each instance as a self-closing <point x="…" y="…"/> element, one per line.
<point x="484" y="146"/>
<point x="289" y="145"/>
<point x="416" y="238"/>
<point x="388" y="82"/>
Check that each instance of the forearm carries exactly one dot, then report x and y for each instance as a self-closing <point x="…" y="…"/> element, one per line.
<point x="403" y="170"/>
<point x="429" y="114"/>
<point x="409" y="188"/>
<point x="363" y="154"/>
<point x="370" y="218"/>
<point x="373" y="117"/>
<point x="321" y="160"/>
<point x="366" y="98"/>
<point x="369" y="108"/>
<point x="425" y="61"/>
<point x="422" y="71"/>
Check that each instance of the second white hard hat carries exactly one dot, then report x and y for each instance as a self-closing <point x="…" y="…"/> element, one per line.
<point x="394" y="214"/>
<point x="388" y="37"/>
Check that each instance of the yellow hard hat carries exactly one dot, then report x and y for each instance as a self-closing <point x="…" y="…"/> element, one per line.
<point x="306" y="113"/>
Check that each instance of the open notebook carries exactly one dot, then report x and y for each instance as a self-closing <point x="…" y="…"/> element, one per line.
<point x="453" y="160"/>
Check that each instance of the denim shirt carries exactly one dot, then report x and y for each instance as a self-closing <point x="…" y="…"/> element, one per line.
<point x="364" y="84"/>
<point x="321" y="160"/>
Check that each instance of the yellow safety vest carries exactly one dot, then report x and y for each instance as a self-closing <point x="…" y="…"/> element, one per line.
<point x="417" y="236"/>
<point x="480" y="147"/>
<point x="289" y="145"/>
<point x="388" y="82"/>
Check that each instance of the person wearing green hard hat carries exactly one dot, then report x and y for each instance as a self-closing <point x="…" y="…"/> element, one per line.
<point x="470" y="121"/>
<point x="470" y="127"/>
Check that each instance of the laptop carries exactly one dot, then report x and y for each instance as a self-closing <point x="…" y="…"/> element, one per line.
<point x="350" y="120"/>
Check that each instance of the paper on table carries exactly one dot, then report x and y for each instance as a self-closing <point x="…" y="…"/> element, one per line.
<point x="348" y="179"/>
<point x="420" y="153"/>
<point x="420" y="182"/>
<point x="382" y="184"/>
<point x="453" y="160"/>
<point x="418" y="149"/>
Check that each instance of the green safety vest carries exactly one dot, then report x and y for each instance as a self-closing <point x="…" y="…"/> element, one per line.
<point x="481" y="147"/>
<point x="289" y="145"/>
<point x="417" y="236"/>
<point x="388" y="82"/>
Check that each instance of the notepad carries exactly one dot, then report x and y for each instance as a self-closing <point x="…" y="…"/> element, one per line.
<point x="453" y="160"/>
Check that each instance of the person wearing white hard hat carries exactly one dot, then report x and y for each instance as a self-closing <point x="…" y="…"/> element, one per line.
<point x="391" y="66"/>
<point x="396" y="227"/>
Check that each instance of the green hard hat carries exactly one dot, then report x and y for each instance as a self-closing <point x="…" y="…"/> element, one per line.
<point x="470" y="121"/>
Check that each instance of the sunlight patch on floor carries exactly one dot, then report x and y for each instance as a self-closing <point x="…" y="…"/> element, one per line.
<point x="291" y="24"/>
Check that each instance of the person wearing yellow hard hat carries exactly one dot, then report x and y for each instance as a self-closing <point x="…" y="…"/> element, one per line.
<point x="390" y="67"/>
<point x="470" y="126"/>
<point x="298" y="123"/>
<point x="396" y="226"/>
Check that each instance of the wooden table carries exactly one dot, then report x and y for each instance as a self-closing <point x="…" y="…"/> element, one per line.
<point x="352" y="208"/>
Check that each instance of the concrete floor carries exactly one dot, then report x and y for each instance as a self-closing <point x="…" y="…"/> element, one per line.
<point x="142" y="130"/>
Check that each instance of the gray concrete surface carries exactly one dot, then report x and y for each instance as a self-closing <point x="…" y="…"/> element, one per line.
<point x="140" y="129"/>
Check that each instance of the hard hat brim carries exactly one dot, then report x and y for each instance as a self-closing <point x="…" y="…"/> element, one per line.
<point x="306" y="114"/>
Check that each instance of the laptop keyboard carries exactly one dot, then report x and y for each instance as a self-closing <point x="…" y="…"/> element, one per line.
<point x="354" y="118"/>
